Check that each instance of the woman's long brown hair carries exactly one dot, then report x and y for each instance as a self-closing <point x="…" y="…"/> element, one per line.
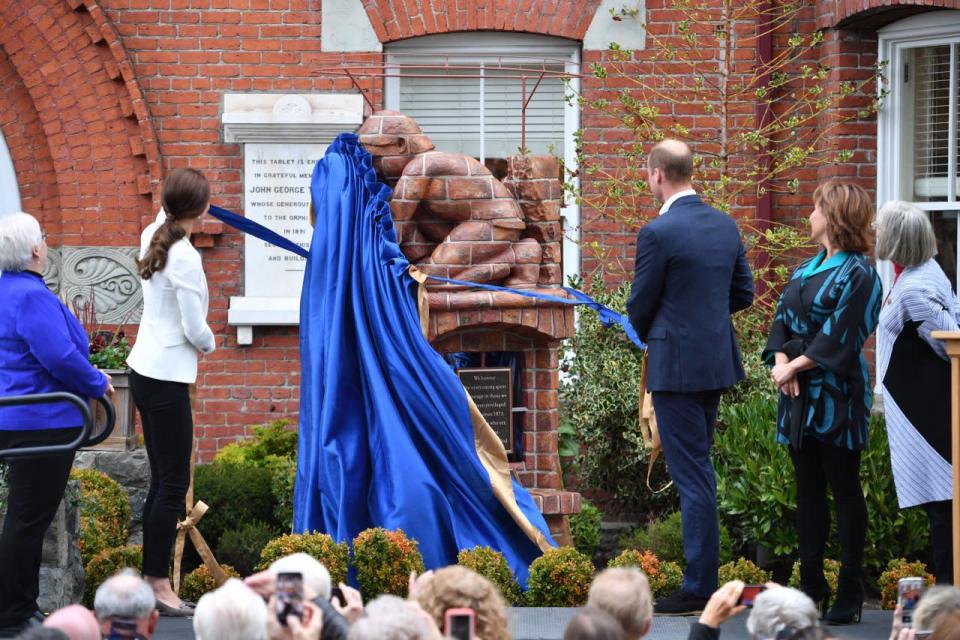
<point x="186" y="194"/>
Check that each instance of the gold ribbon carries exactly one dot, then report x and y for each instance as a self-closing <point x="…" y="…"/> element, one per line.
<point x="423" y="303"/>
<point x="649" y="430"/>
<point x="188" y="526"/>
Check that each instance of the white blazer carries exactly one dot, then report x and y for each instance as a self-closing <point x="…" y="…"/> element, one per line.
<point x="174" y="322"/>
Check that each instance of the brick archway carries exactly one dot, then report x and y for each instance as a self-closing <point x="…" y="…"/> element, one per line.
<point x="395" y="20"/>
<point x="83" y="143"/>
<point x="873" y="14"/>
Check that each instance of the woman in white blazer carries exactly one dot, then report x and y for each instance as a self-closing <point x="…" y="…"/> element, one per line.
<point x="164" y="363"/>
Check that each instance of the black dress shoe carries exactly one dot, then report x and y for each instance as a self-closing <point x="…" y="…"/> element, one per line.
<point x="681" y="603"/>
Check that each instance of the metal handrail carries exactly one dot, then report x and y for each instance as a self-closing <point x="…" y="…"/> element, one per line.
<point x="83" y="439"/>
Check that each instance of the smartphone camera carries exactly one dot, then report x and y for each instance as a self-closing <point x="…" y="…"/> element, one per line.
<point x="337" y="592"/>
<point x="289" y="596"/>
<point x="909" y="591"/>
<point x="460" y="624"/>
<point x="750" y="593"/>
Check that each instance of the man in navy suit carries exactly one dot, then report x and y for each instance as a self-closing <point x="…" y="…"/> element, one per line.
<point x="691" y="274"/>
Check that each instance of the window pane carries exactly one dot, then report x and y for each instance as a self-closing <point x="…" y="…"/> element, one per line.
<point x="926" y="82"/>
<point x="945" y="228"/>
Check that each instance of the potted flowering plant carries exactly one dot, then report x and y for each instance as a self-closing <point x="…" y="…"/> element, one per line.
<point x="108" y="352"/>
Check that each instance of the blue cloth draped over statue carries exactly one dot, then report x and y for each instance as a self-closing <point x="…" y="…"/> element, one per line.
<point x="388" y="436"/>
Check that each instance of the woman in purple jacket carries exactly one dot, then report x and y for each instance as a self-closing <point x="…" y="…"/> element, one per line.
<point x="43" y="348"/>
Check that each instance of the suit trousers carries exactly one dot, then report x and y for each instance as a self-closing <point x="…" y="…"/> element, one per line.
<point x="940" y="517"/>
<point x="686" y="421"/>
<point x="168" y="436"/>
<point x="35" y="490"/>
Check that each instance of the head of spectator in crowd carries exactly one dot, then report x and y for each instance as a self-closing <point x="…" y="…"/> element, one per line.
<point x="232" y="612"/>
<point x="76" y="621"/>
<point x="946" y="627"/>
<point x="784" y="613"/>
<point x="392" y="618"/>
<point x="842" y="217"/>
<point x="905" y="234"/>
<point x="457" y="587"/>
<point x="592" y="623"/>
<point x="43" y="633"/>
<point x="669" y="168"/>
<point x="126" y="598"/>
<point x="316" y="578"/>
<point x="23" y="245"/>
<point x="624" y="593"/>
<point x="937" y="601"/>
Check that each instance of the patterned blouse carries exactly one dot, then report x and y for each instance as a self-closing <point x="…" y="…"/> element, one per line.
<point x="826" y="312"/>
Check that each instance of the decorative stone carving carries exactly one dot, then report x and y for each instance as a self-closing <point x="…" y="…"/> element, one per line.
<point x="51" y="273"/>
<point x="106" y="274"/>
<point x="292" y="108"/>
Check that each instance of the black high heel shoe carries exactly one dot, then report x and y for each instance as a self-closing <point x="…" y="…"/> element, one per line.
<point x="850" y="613"/>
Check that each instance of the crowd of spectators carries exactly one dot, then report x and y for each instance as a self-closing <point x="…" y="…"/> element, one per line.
<point x="619" y="607"/>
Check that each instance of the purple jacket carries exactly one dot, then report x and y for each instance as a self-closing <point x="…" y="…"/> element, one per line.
<point x="43" y="348"/>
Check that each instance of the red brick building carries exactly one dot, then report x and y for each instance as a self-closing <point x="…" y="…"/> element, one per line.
<point x="99" y="98"/>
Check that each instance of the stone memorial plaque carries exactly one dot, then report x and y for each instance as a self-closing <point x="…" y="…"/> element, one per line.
<point x="492" y="390"/>
<point x="276" y="184"/>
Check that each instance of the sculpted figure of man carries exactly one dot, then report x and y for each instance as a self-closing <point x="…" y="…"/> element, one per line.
<point x="454" y="218"/>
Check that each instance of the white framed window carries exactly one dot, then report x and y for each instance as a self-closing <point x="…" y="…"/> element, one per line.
<point x="918" y="135"/>
<point x="477" y="111"/>
<point x="9" y="190"/>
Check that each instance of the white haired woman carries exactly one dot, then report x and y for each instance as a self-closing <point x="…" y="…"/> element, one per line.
<point x="914" y="371"/>
<point x="783" y="613"/>
<point x="43" y="348"/>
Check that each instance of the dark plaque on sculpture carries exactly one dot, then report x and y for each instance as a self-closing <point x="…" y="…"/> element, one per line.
<point x="492" y="390"/>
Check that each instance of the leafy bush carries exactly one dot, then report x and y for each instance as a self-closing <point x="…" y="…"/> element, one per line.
<point x="561" y="577"/>
<point x="241" y="547"/>
<point x="199" y="581"/>
<point x="283" y="475"/>
<point x="665" y="539"/>
<point x="383" y="560"/>
<point x="268" y="443"/>
<point x="742" y="569"/>
<point x="599" y="400"/>
<point x="493" y="566"/>
<point x="332" y="555"/>
<point x="896" y="569"/>
<point x="104" y="512"/>
<point x="831" y="571"/>
<point x="106" y="564"/>
<point x="665" y="577"/>
<point x="585" y="528"/>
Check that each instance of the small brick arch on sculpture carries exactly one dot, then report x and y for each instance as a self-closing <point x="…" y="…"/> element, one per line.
<point x="93" y="122"/>
<point x="391" y="19"/>
<point x="873" y="14"/>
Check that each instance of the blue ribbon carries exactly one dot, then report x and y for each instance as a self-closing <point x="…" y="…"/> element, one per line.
<point x="608" y="316"/>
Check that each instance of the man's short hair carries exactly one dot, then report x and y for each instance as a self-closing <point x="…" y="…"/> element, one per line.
<point x="391" y="617"/>
<point x="935" y="602"/>
<point x="591" y="623"/>
<point x="232" y="612"/>
<point x="674" y="159"/>
<point x="315" y="575"/>
<point x="783" y="609"/>
<point x="624" y="593"/>
<point x="125" y="595"/>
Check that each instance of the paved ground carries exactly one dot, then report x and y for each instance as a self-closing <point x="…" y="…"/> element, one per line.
<point x="548" y="624"/>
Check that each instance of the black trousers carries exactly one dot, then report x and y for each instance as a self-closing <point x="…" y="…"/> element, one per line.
<point x="817" y="465"/>
<point x="940" y="517"/>
<point x="168" y="435"/>
<point x="36" y="487"/>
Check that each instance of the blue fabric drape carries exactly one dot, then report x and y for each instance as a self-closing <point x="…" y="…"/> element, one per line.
<point x="386" y="437"/>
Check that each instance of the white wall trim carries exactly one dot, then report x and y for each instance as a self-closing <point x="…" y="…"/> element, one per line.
<point x="9" y="188"/>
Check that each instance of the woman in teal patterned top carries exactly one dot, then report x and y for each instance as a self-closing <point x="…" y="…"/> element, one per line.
<point x="825" y="315"/>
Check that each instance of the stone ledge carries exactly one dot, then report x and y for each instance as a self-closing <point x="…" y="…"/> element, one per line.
<point x="552" y="502"/>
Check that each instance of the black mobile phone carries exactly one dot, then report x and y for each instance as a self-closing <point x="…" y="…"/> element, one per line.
<point x="460" y="624"/>
<point x="289" y="596"/>
<point x="122" y="628"/>
<point x="337" y="592"/>
<point x="750" y="593"/>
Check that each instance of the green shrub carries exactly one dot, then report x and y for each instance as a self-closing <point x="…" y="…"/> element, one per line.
<point x="104" y="512"/>
<point x="831" y="571"/>
<point x="585" y="528"/>
<point x="665" y="539"/>
<point x="241" y="547"/>
<point x="561" y="577"/>
<point x="268" y="443"/>
<point x="896" y="569"/>
<point x="383" y="561"/>
<point x="744" y="570"/>
<point x="283" y="474"/>
<point x="493" y="566"/>
<point x="106" y="564"/>
<point x="599" y="400"/>
<point x="199" y="581"/>
<point x="665" y="577"/>
<point x="321" y="546"/>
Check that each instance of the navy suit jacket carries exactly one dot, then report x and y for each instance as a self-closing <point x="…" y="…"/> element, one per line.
<point x="691" y="273"/>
